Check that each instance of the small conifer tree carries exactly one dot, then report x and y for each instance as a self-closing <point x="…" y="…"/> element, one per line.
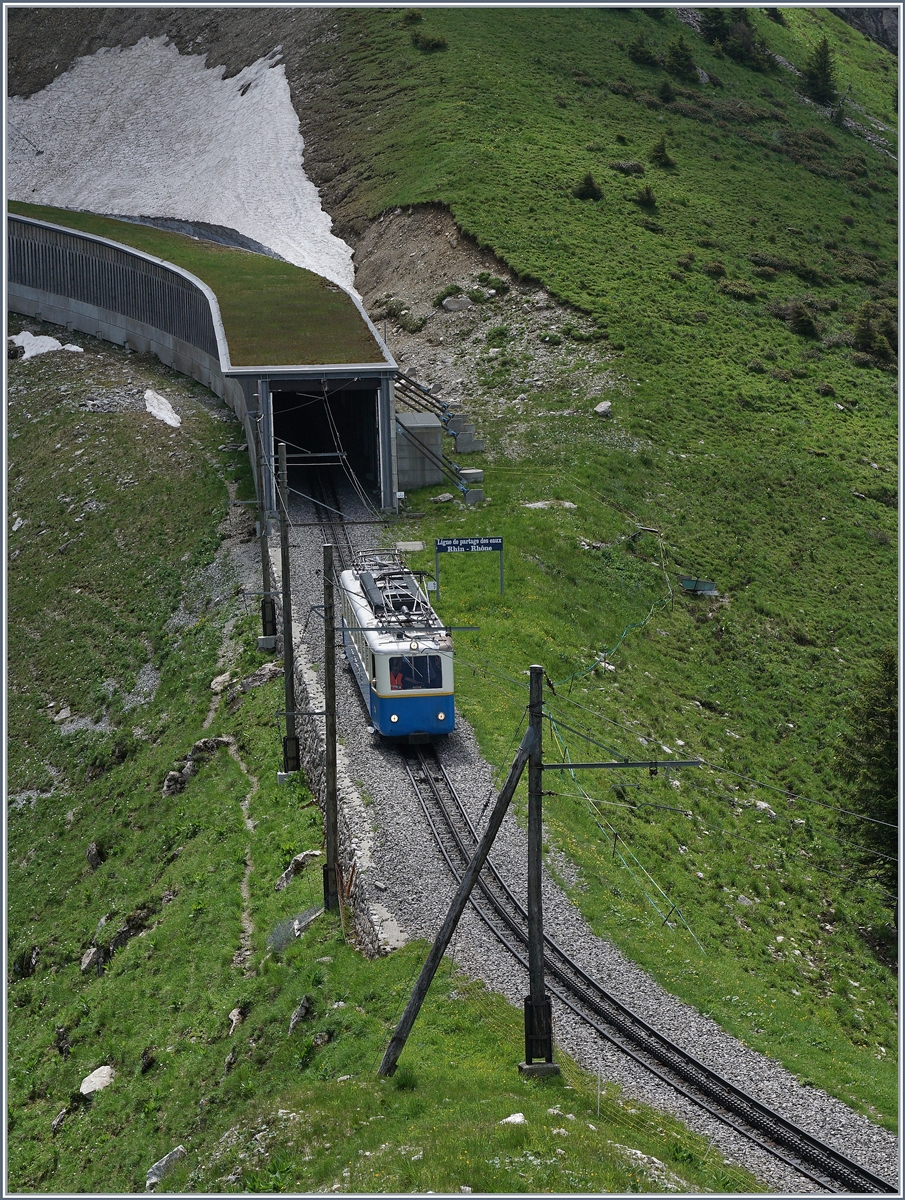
<point x="659" y="155"/>
<point x="820" y="74"/>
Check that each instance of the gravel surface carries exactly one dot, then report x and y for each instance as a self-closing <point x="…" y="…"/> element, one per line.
<point x="409" y="890"/>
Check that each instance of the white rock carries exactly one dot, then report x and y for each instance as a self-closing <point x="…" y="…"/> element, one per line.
<point x="456" y="303"/>
<point x="603" y="408"/>
<point x="162" y="1167"/>
<point x="90" y="958"/>
<point x="515" y="1119"/>
<point x="97" y="1080"/>
<point x="221" y="681"/>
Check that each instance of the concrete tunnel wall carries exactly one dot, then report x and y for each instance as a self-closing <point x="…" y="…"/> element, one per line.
<point x="85" y="282"/>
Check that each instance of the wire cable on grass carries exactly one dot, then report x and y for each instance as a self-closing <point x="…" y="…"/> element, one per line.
<point x="836" y="841"/>
<point x="596" y="816"/>
<point x="604" y="655"/>
<point x="789" y="793"/>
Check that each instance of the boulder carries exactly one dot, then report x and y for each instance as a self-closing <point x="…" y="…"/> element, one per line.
<point x="603" y="408"/>
<point x="174" y="783"/>
<point x="235" y="1018"/>
<point x="297" y="865"/>
<point x="221" y="682"/>
<point x="162" y="1167"/>
<point x="443" y="498"/>
<point x="94" y="856"/>
<point x="456" y="303"/>
<point x="58" y="1120"/>
<point x="300" y="1013"/>
<point x="97" y="1081"/>
<point x="515" y="1119"/>
<point x="763" y="806"/>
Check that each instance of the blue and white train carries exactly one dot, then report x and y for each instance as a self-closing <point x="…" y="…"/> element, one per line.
<point x="398" y="649"/>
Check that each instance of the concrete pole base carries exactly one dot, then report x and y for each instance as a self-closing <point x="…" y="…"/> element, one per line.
<point x="267" y="643"/>
<point x="538" y="1069"/>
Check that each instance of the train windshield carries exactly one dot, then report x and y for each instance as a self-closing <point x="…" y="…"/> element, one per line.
<point x="410" y="672"/>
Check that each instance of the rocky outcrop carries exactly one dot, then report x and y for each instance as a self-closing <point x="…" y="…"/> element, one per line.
<point x="881" y="25"/>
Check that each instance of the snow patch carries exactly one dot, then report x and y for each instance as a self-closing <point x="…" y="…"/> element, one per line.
<point x="158" y="406"/>
<point x="41" y="345"/>
<point x="146" y="131"/>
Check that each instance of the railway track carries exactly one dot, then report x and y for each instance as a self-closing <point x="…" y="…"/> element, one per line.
<point x="326" y="505"/>
<point x="503" y="914"/>
<point x="567" y="983"/>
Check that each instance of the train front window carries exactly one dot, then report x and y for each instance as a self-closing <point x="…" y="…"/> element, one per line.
<point x="413" y="672"/>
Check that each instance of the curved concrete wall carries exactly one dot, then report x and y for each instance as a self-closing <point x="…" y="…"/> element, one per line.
<point x="110" y="291"/>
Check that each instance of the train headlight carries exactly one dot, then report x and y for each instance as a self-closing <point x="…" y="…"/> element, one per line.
<point x="413" y="645"/>
<point x="441" y="716"/>
<point x="394" y="718"/>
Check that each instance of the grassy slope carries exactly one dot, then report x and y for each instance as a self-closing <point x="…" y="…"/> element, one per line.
<point x="159" y="1014"/>
<point x="273" y="313"/>
<point x="782" y="493"/>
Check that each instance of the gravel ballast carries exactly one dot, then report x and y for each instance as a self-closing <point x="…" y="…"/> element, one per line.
<point x="408" y="888"/>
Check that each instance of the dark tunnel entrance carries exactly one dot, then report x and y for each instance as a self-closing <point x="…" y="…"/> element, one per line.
<point x="333" y="425"/>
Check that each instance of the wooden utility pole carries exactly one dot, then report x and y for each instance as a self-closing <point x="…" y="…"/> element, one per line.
<point x="404" y="1028"/>
<point x="290" y="742"/>
<point x="538" y="1010"/>
<point x="331" y="895"/>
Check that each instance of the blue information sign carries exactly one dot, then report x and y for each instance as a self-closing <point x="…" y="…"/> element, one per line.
<point x="462" y="545"/>
<point x="466" y="545"/>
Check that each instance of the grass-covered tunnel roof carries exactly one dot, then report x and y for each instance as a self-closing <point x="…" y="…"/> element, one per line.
<point x="274" y="313"/>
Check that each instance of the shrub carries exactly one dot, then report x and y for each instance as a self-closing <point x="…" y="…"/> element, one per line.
<point x="651" y="226"/>
<point x="500" y="286"/>
<point x="666" y="92"/>
<point x="738" y="289"/>
<point x="782" y="376"/>
<point x="714" y="269"/>
<point x="621" y="138"/>
<point x="451" y="289"/>
<point x="645" y="197"/>
<point x="402" y="315"/>
<point x="659" y="155"/>
<point x="588" y="189"/>
<point x="874" y="331"/>
<point x="756" y="367"/>
<point x="629" y="167"/>
<point x="856" y="164"/>
<point x="776" y="15"/>
<point x="640" y="52"/>
<point x="685" y="261"/>
<point x="825" y="389"/>
<point x="498" y="336"/>
<point x="412" y="16"/>
<point x="428" y="42"/>
<point x="800" y="320"/>
<point x="848" y="219"/>
<point x="678" y="61"/>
